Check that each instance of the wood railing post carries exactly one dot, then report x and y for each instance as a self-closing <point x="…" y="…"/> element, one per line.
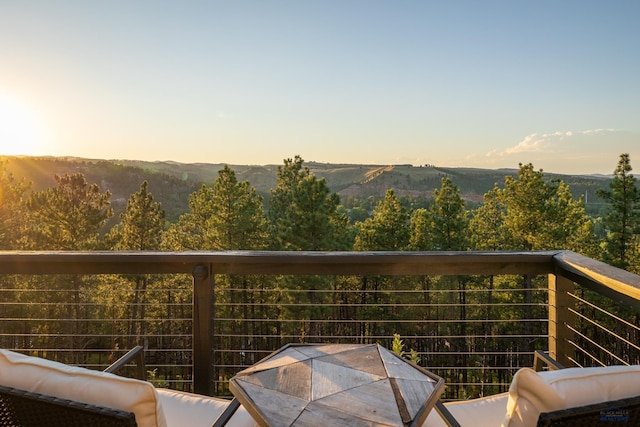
<point x="203" y="281"/>
<point x="561" y="319"/>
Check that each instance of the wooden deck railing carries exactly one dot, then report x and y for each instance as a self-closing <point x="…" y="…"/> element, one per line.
<point x="565" y="270"/>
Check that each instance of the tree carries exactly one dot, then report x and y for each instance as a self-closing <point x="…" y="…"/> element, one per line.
<point x="238" y="221"/>
<point x="303" y="213"/>
<point x="487" y="222"/>
<point x="386" y="230"/>
<point x="420" y="228"/>
<point x="622" y="219"/>
<point x="68" y="217"/>
<point x="449" y="219"/>
<point x="142" y="224"/>
<point x="530" y="213"/>
<point x="542" y="215"/>
<point x="11" y="208"/>
<point x="141" y="229"/>
<point x="444" y="226"/>
<point x="190" y="230"/>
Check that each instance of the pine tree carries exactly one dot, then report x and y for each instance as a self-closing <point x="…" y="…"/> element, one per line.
<point x="303" y="213"/>
<point x="487" y="223"/>
<point x="622" y="220"/>
<point x="386" y="230"/>
<point x="420" y="231"/>
<point x="190" y="230"/>
<point x="141" y="229"/>
<point x="449" y="219"/>
<point x="237" y="220"/>
<point x="543" y="215"/>
<point x="68" y="216"/>
<point x="12" y="193"/>
<point x="142" y="224"/>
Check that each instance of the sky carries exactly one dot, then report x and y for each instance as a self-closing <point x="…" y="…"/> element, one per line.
<point x="486" y="84"/>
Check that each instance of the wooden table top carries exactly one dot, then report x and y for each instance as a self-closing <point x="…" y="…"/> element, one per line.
<point x="339" y="384"/>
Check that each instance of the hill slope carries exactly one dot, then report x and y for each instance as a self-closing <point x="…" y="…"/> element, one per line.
<point x="171" y="183"/>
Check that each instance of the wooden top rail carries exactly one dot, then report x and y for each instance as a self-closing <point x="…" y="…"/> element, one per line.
<point x="585" y="271"/>
<point x="266" y="262"/>
<point x="598" y="276"/>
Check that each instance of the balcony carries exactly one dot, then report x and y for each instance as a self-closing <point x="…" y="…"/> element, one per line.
<point x="473" y="318"/>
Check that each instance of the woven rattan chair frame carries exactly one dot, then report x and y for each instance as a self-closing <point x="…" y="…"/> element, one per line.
<point x="623" y="412"/>
<point x="19" y="408"/>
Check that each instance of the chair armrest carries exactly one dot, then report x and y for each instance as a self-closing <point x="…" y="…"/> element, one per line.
<point x="446" y="415"/>
<point x="136" y="355"/>
<point x="542" y="359"/>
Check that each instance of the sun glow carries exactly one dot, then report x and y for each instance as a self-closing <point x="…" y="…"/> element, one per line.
<point x="21" y="131"/>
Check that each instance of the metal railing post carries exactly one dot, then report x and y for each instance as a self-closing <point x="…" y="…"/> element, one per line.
<point x="560" y="319"/>
<point x="203" y="281"/>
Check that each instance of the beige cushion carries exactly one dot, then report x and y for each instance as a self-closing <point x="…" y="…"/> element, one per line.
<point x="194" y="410"/>
<point x="82" y="385"/>
<point x="533" y="392"/>
<point x="482" y="412"/>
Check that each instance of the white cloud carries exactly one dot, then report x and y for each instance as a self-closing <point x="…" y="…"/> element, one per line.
<point x="586" y="151"/>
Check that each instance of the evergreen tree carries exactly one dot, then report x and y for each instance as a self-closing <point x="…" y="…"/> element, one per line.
<point x="487" y="222"/>
<point x="141" y="228"/>
<point x="622" y="220"/>
<point x="449" y="219"/>
<point x="386" y="230"/>
<point x="238" y="221"/>
<point x="142" y="224"/>
<point x="190" y="230"/>
<point x="420" y="231"/>
<point x="303" y="213"/>
<point x="68" y="216"/>
<point x="543" y="216"/>
<point x="11" y="209"/>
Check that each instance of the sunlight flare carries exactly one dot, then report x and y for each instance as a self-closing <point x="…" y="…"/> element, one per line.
<point x="21" y="131"/>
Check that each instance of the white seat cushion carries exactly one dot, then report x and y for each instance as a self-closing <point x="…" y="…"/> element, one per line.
<point x="82" y="385"/>
<point x="482" y="412"/>
<point x="534" y="392"/>
<point x="194" y="410"/>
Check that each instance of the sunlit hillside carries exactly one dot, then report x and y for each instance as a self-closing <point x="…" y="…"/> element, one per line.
<point x="172" y="182"/>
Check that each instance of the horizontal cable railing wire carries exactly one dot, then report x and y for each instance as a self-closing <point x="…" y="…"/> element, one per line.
<point x="605" y="332"/>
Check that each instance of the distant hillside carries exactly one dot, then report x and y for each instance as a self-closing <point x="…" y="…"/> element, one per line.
<point x="120" y="179"/>
<point x="171" y="183"/>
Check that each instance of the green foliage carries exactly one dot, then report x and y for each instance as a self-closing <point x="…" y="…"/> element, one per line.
<point x="397" y="347"/>
<point x="189" y="232"/>
<point x="532" y="214"/>
<point x="68" y="216"/>
<point x="622" y="219"/>
<point x="487" y="222"/>
<point x="12" y="193"/>
<point x="239" y="221"/>
<point x="386" y="230"/>
<point x="303" y="213"/>
<point x="141" y="225"/>
<point x="445" y="225"/>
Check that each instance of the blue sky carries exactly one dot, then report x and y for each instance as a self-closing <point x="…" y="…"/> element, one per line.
<point x="457" y="83"/>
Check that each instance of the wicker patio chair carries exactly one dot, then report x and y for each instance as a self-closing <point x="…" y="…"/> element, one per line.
<point x="19" y="408"/>
<point x="623" y="412"/>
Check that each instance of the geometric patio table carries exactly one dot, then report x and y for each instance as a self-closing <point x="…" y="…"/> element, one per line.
<point x="350" y="385"/>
